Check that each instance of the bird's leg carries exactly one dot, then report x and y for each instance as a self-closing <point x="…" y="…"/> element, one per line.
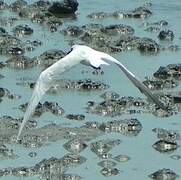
<point x="97" y="70"/>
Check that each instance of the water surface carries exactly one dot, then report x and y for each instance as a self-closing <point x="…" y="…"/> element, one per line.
<point x="144" y="159"/>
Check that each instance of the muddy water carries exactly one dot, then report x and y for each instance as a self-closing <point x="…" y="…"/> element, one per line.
<point x="144" y="158"/>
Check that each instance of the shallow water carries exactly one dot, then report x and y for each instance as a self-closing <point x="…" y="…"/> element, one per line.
<point x="144" y="158"/>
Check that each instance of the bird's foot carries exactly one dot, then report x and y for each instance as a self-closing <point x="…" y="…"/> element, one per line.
<point x="97" y="71"/>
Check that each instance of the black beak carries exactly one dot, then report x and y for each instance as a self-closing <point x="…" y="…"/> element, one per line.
<point x="69" y="51"/>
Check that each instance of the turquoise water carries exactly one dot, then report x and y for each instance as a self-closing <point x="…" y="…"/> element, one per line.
<point x="144" y="159"/>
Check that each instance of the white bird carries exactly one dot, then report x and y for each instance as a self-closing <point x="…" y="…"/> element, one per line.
<point x="78" y="54"/>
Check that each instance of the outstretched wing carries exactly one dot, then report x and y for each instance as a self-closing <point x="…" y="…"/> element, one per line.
<point x="46" y="80"/>
<point x="143" y="89"/>
<point x="39" y="91"/>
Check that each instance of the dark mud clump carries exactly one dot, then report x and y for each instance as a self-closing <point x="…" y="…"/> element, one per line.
<point x="80" y="85"/>
<point x="6" y="153"/>
<point x="128" y="127"/>
<point x="67" y="7"/>
<point x="33" y="141"/>
<point x="32" y="45"/>
<point x="115" y="107"/>
<point x="171" y="71"/>
<point x="166" y="35"/>
<point x="131" y="105"/>
<point x="164" y="146"/>
<point x="17" y="5"/>
<point x="167" y="78"/>
<point x="155" y="27"/>
<point x="77" y="117"/>
<point x="167" y="142"/>
<point x="15" y="51"/>
<point x="168" y="135"/>
<point x="152" y="29"/>
<point x="2" y="65"/>
<point x="52" y="132"/>
<point x="118" y="29"/>
<point x="107" y="163"/>
<point x="47" y="106"/>
<point x="53" y="168"/>
<point x="6" y="93"/>
<point x="159" y="84"/>
<point x="9" y="127"/>
<point x="127" y="42"/>
<point x="147" y="45"/>
<point x="21" y="30"/>
<point x="75" y="146"/>
<point x="140" y="12"/>
<point x="144" y="45"/>
<point x="74" y="31"/>
<point x="43" y="12"/>
<point x="91" y="125"/>
<point x="161" y="23"/>
<point x="11" y="45"/>
<point x="37" y="137"/>
<point x="103" y="146"/>
<point x="112" y="38"/>
<point x="2" y="31"/>
<point x="164" y="174"/>
<point x="20" y="62"/>
<point x="108" y="95"/>
<point x="110" y="171"/>
<point x="98" y="36"/>
<point x="3" y="5"/>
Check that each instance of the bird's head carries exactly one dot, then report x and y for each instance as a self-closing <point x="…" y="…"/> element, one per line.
<point x="92" y="57"/>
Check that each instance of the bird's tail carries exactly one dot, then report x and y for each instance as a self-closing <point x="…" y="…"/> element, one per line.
<point x="143" y="89"/>
<point x="38" y="92"/>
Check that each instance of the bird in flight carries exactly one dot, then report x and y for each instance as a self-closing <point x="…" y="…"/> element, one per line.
<point x="87" y="56"/>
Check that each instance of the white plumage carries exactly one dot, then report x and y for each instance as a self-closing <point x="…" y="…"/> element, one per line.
<point x="79" y="54"/>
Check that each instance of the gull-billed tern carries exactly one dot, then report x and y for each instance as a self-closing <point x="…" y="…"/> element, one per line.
<point x="85" y="55"/>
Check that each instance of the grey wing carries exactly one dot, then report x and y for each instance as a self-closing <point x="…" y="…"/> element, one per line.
<point x="143" y="89"/>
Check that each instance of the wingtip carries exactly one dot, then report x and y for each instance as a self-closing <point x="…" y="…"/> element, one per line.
<point x="18" y="139"/>
<point x="142" y="87"/>
<point x="18" y="136"/>
<point x="162" y="106"/>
